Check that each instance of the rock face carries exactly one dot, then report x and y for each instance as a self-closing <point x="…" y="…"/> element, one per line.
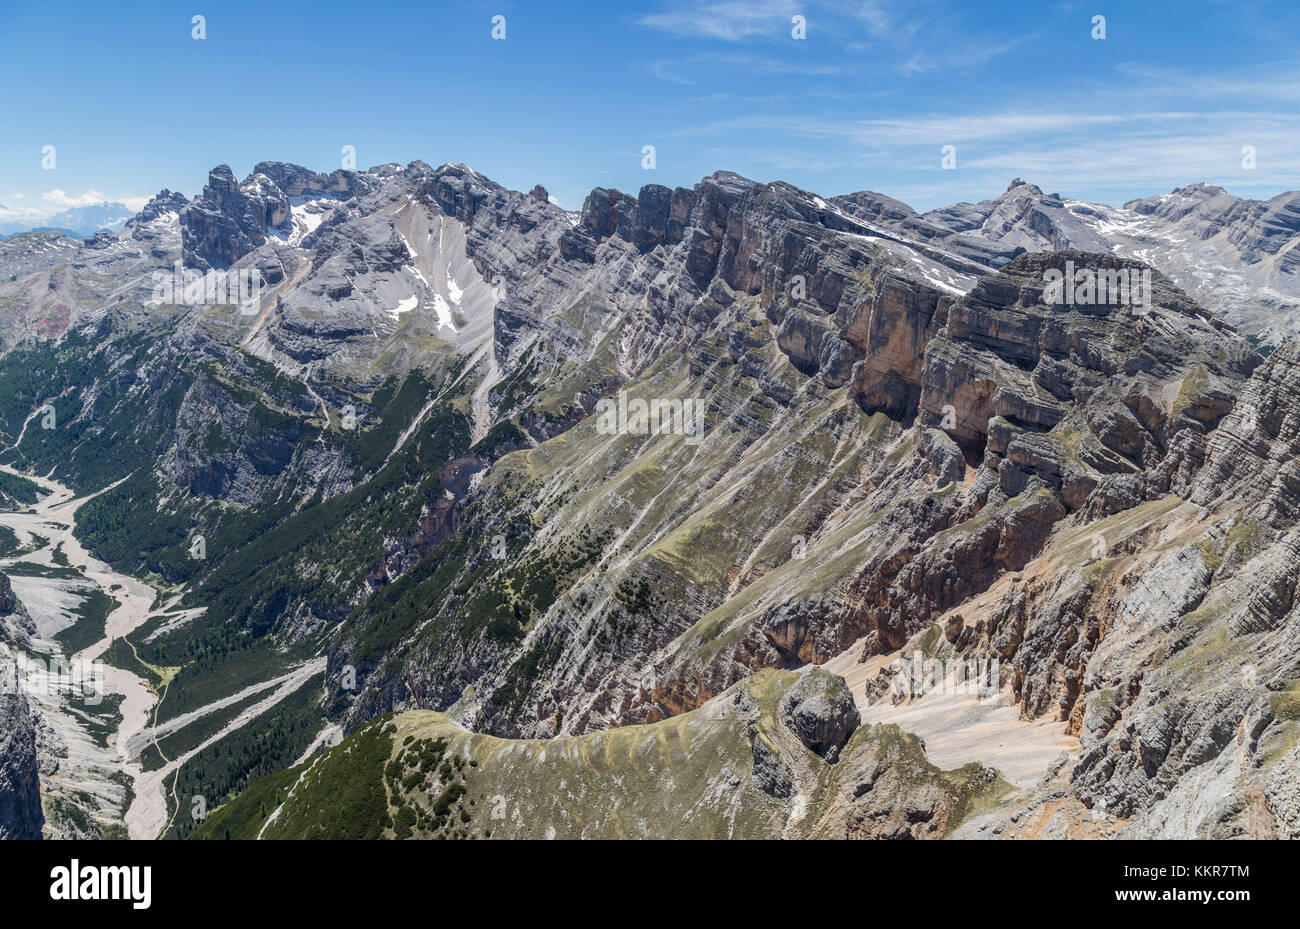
<point x="20" y="799"/>
<point x="1284" y="795"/>
<point x="1251" y="459"/>
<point x="1075" y="396"/>
<point x="819" y="709"/>
<point x="228" y="220"/>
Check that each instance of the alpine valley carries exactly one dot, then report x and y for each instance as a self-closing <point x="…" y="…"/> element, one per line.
<point x="362" y="560"/>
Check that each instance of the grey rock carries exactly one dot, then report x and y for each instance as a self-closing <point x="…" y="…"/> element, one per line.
<point x="820" y="710"/>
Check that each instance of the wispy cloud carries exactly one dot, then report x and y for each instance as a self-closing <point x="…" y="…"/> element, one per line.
<point x="1072" y="151"/>
<point x="667" y="70"/>
<point x="879" y="20"/>
<point x="729" y="20"/>
<point x="675" y="70"/>
<point x="925" y="130"/>
<point x="963" y="56"/>
<point x="1266" y="84"/>
<point x="766" y="65"/>
<point x="893" y="35"/>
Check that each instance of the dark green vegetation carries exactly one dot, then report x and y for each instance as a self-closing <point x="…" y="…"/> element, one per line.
<point x="96" y="441"/>
<point x="266" y="746"/>
<point x="357" y="792"/>
<point x="243" y="817"/>
<point x="428" y="790"/>
<point x="99" y="714"/>
<point x="16" y="492"/>
<point x="32" y="569"/>
<point x="92" y="612"/>
<point x="276" y="576"/>
<point x="347" y="787"/>
<point x="266" y="563"/>
<point x="196" y="733"/>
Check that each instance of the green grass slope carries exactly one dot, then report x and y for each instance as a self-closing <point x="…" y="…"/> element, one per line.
<point x="731" y="769"/>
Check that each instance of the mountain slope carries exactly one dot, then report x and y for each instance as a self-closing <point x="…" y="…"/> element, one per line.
<point x="398" y="465"/>
<point x="749" y="764"/>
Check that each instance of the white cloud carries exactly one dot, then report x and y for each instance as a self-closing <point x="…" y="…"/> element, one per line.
<point x="11" y="215"/>
<point x="926" y="130"/>
<point x="737" y="20"/>
<point x="61" y="201"/>
<point x="56" y="201"/>
<point x="663" y="69"/>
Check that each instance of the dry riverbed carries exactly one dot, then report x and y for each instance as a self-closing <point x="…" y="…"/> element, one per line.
<point x="98" y="775"/>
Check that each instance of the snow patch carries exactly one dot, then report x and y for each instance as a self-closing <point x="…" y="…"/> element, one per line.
<point x="443" y="309"/>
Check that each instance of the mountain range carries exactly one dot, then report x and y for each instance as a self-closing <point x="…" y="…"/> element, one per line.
<point x="76" y="222"/>
<point x="382" y="506"/>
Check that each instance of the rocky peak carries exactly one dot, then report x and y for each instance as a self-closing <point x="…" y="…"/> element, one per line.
<point x="1031" y="189"/>
<point x="165" y="201"/>
<point x="460" y="190"/>
<point x="1022" y="216"/>
<point x="870" y="205"/>
<point x="228" y="220"/>
<point x="730" y="181"/>
<point x="1201" y="200"/>
<point x="657" y="215"/>
<point x="297" y="181"/>
<point x="222" y="179"/>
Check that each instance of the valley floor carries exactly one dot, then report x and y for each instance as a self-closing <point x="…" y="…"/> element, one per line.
<point x="91" y="751"/>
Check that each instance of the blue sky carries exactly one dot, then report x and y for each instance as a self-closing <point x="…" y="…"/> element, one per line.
<point x="132" y="103"/>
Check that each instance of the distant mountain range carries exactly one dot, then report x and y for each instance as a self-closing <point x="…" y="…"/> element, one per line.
<point x="78" y="221"/>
